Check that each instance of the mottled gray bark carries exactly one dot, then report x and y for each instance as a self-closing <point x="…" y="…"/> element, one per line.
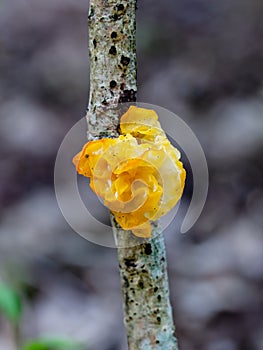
<point x="112" y="63"/>
<point x="143" y="270"/>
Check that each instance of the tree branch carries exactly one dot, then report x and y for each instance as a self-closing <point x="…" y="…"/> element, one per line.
<point x="143" y="269"/>
<point x="112" y="63"/>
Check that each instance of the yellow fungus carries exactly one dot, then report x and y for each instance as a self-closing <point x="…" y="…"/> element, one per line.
<point x="138" y="175"/>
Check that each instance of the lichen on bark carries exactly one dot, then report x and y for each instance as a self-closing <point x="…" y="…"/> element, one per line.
<point x="143" y="269"/>
<point x="145" y="289"/>
<point x="112" y="63"/>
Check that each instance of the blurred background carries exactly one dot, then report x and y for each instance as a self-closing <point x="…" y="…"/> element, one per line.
<point x="202" y="60"/>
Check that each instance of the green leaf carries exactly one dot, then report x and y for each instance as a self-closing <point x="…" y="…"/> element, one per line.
<point x="52" y="344"/>
<point x="10" y="303"/>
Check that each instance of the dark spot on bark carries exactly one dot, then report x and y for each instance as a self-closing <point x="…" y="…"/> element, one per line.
<point x="104" y="102"/>
<point x="130" y="318"/>
<point x="158" y="318"/>
<point x="91" y="13"/>
<point x="120" y="7"/>
<point x="155" y="289"/>
<point x="144" y="271"/>
<point x="132" y="301"/>
<point x="127" y="96"/>
<point x="115" y="17"/>
<point x="125" y="60"/>
<point x="130" y="262"/>
<point x="140" y="284"/>
<point x="119" y="10"/>
<point x="126" y="282"/>
<point x="114" y="35"/>
<point x="126" y="297"/>
<point x="162" y="259"/>
<point x="95" y="43"/>
<point x="148" y="249"/>
<point x="113" y="84"/>
<point x="118" y="128"/>
<point x="157" y="341"/>
<point x="159" y="298"/>
<point x="96" y="58"/>
<point x="113" y="50"/>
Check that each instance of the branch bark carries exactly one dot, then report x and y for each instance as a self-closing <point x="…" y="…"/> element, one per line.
<point x="112" y="64"/>
<point x="143" y="269"/>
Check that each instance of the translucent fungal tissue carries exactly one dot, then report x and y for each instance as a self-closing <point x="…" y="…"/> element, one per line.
<point x="138" y="175"/>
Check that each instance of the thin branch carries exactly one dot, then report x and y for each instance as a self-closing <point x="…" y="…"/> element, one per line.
<point x="143" y="269"/>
